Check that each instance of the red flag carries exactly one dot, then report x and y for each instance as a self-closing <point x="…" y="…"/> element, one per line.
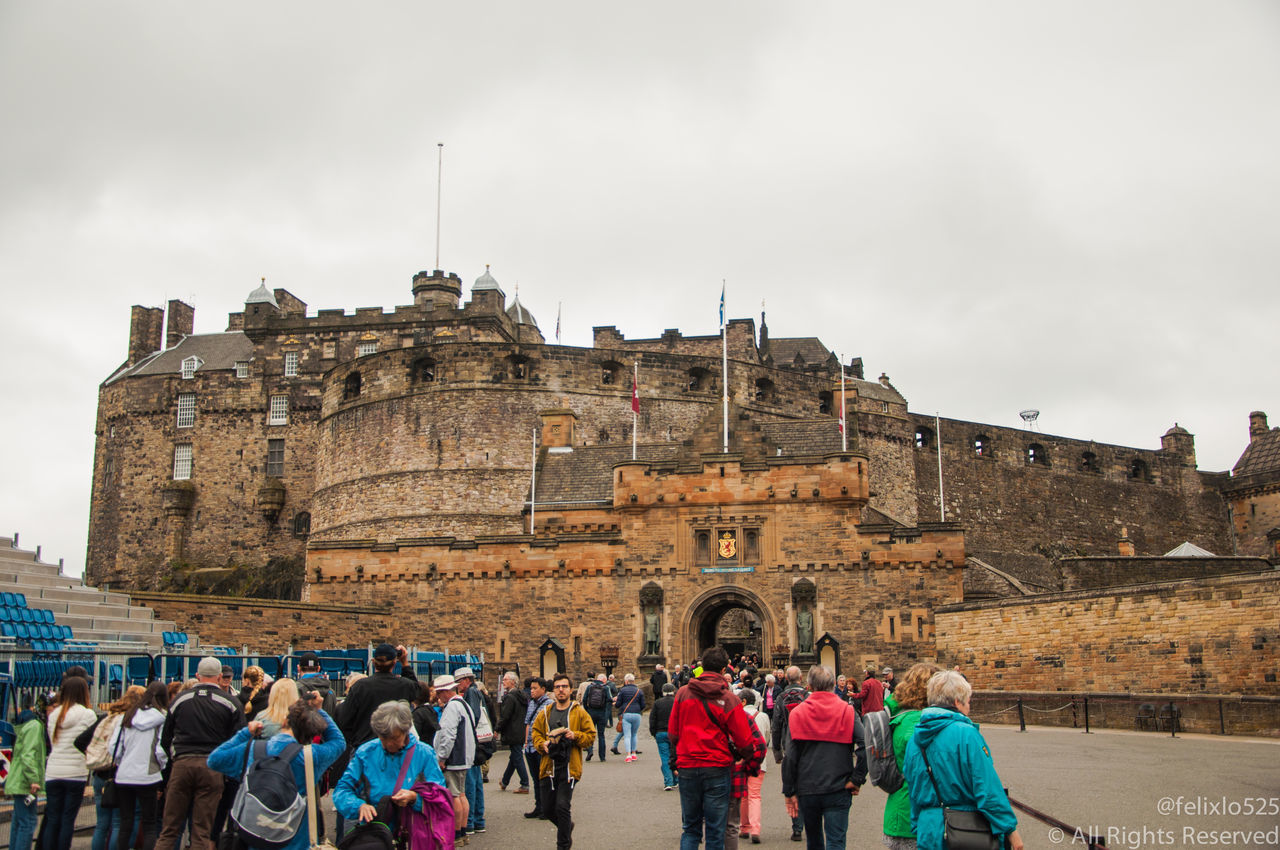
<point x="635" y="397"/>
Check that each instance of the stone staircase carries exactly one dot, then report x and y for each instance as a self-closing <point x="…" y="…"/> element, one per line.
<point x="105" y="617"/>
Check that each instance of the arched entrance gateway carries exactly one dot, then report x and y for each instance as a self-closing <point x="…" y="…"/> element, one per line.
<point x="732" y="617"/>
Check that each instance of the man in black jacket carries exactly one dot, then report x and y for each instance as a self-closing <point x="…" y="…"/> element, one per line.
<point x="658" y="679"/>
<point x="826" y="761"/>
<point x="312" y="680"/>
<point x="199" y="721"/>
<point x="372" y="691"/>
<point x="511" y="727"/>
<point x="659" y="717"/>
<point x="786" y="700"/>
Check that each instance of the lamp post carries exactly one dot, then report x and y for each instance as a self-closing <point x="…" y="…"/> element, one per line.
<point x="608" y="658"/>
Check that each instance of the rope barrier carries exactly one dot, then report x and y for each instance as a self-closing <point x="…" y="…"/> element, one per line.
<point x="1049" y="710"/>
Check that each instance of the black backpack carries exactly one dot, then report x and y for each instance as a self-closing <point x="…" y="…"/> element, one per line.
<point x="597" y="696"/>
<point x="882" y="767"/>
<point x="268" y="811"/>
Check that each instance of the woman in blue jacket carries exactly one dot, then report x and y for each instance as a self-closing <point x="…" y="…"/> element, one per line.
<point x="302" y="724"/>
<point x="962" y="768"/>
<point x="372" y="772"/>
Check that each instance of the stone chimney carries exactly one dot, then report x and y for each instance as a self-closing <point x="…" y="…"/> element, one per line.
<point x="1257" y="423"/>
<point x="145" y="327"/>
<point x="182" y="322"/>
<point x="884" y="380"/>
<point x="559" y="428"/>
<point x="1126" y="545"/>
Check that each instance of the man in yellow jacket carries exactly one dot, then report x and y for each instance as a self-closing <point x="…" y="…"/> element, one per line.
<point x="561" y="732"/>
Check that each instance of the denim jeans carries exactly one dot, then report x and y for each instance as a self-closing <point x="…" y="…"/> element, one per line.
<point x="630" y="728"/>
<point x="825" y="815"/>
<point x="664" y="753"/>
<point x="22" y="829"/>
<point x="107" y="830"/>
<point x="515" y="764"/>
<point x="600" y="717"/>
<point x="704" y="798"/>
<point x="60" y="810"/>
<point x="475" y="796"/>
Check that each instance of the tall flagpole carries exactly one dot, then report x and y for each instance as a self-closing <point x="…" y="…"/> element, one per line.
<point x="942" y="502"/>
<point x="533" y="479"/>
<point x="724" y="371"/>
<point x="844" y="421"/>
<point x="635" y="404"/>
<point x="439" y="175"/>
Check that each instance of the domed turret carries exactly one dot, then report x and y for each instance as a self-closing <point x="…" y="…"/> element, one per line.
<point x="262" y="295"/>
<point x="486" y="283"/>
<point x="519" y="314"/>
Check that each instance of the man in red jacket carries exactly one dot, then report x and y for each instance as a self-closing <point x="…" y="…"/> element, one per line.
<point x="871" y="697"/>
<point x="707" y="732"/>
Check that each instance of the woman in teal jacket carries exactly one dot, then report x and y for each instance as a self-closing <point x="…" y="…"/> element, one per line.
<point x="961" y="764"/>
<point x="905" y="704"/>
<point x="26" y="777"/>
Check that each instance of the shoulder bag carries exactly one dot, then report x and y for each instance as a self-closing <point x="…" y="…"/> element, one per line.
<point x="618" y="727"/>
<point x="962" y="830"/>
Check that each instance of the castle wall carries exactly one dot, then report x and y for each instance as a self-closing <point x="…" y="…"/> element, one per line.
<point x="1015" y="511"/>
<point x="1206" y="635"/>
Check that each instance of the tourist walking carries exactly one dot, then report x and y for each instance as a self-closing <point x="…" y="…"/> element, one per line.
<point x="561" y="732"/>
<point x="752" y="805"/>
<point x="538" y="698"/>
<point x="455" y="747"/>
<point x="511" y="726"/>
<point x="905" y="706"/>
<point x="630" y="703"/>
<point x="659" y="720"/>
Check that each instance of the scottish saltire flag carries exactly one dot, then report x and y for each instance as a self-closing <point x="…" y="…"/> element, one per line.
<point x="722" y="305"/>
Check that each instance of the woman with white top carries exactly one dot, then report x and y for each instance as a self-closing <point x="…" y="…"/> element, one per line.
<point x="139" y="762"/>
<point x="66" y="774"/>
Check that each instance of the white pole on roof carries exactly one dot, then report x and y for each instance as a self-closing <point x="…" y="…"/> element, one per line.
<point x="724" y="370"/>
<point x="942" y="502"/>
<point x="844" y="422"/>
<point x="533" y="479"/>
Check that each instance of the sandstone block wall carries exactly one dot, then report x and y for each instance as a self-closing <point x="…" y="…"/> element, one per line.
<point x="1213" y="635"/>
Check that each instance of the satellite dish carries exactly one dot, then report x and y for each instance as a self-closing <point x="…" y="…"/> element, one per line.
<point x="1029" y="417"/>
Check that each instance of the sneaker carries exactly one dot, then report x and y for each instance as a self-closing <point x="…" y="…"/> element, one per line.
<point x="743" y="834"/>
<point x="471" y="830"/>
<point x="589" y="756"/>
<point x="479" y="829"/>
<point x="668" y="787"/>
<point x="755" y="839"/>
<point x="614" y="750"/>
<point x="630" y="758"/>
<point x="797" y="835"/>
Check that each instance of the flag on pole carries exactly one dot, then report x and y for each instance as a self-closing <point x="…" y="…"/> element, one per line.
<point x="557" y="324"/>
<point x="722" y="304"/>
<point x="635" y="396"/>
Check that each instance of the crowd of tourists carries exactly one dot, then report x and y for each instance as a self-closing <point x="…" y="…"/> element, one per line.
<point x="200" y="764"/>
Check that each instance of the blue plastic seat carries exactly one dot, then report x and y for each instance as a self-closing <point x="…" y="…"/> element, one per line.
<point x="10" y="600"/>
<point x="5" y="616"/>
<point x="47" y="613"/>
<point x="8" y="630"/>
<point x="22" y="632"/>
<point x="138" y="669"/>
<point x="20" y="599"/>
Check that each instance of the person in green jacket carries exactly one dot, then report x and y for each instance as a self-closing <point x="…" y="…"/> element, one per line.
<point x="907" y="701"/>
<point x="26" y="777"/>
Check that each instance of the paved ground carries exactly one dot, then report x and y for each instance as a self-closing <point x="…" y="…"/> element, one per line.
<point x="1139" y="790"/>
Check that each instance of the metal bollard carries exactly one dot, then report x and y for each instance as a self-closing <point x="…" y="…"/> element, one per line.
<point x="1222" y="723"/>
<point x="1086" y="715"/>
<point x="1022" y="721"/>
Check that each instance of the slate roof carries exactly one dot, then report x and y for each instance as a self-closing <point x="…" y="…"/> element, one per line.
<point x="805" y="437"/>
<point x="784" y="350"/>
<point x="874" y="390"/>
<point x="586" y="473"/>
<point x="1262" y="455"/>
<point x="218" y="351"/>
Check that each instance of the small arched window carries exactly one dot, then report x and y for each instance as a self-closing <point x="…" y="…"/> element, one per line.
<point x="982" y="446"/>
<point x="764" y="390"/>
<point x="610" y="372"/>
<point x="1037" y="455"/>
<point x="1139" y="471"/>
<point x="924" y="437"/>
<point x="301" y="524"/>
<point x="699" y="379"/>
<point x="824" y="402"/>
<point x="351" y="387"/>
<point x="423" y="371"/>
<point x="1089" y="462"/>
<point x="702" y="547"/>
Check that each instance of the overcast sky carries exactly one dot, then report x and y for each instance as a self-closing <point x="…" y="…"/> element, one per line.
<point x="1068" y="206"/>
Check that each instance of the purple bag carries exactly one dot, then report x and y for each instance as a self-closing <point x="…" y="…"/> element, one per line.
<point x="431" y="828"/>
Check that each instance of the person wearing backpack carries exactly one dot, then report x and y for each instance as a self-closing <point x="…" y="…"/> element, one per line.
<point x="139" y="759"/>
<point x="26" y="776"/>
<point x="455" y="747"/>
<point x="275" y="770"/>
<point x="911" y="697"/>
<point x="785" y="702"/>
<point x="95" y="743"/>
<point x="596" y="700"/>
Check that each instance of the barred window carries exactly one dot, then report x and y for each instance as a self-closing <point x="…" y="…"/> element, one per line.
<point x="186" y="410"/>
<point x="242" y="368"/>
<point x="291" y="364"/>
<point x="108" y="472"/>
<point x="279" y="410"/>
<point x="181" y="461"/>
<point x="275" y="458"/>
<point x="366" y="348"/>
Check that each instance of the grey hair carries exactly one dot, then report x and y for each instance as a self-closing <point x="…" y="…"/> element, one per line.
<point x="630" y="677"/>
<point x="390" y="718"/>
<point x="747" y="696"/>
<point x="769" y="679"/>
<point x="793" y="674"/>
<point x="821" y="678"/>
<point x="947" y="689"/>
<point x="510" y="676"/>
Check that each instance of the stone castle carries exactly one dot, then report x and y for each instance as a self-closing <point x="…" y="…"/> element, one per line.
<point x="445" y="461"/>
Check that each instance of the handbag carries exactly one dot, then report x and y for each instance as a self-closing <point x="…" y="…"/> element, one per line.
<point x="313" y="829"/>
<point x="618" y="727"/>
<point x="961" y="829"/>
<point x="109" y="798"/>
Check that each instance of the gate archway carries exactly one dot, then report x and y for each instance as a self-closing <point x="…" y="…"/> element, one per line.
<point x="710" y="606"/>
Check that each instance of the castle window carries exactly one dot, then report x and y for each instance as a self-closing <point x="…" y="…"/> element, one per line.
<point x="702" y="547"/>
<point x="275" y="458"/>
<point x="181" y="461"/>
<point x="824" y="403"/>
<point x="884" y="407"/>
<point x="519" y="367"/>
<point x="364" y="349"/>
<point x="291" y="364"/>
<point x="1088" y="462"/>
<point x="351" y="387"/>
<point x="278" y="412"/>
<point x="764" y="391"/>
<point x="186" y="410"/>
<point x="1139" y="471"/>
<point x="751" y="546"/>
<point x="924" y="437"/>
<point x="301" y="524"/>
<point x="1037" y="455"/>
<point x="699" y="379"/>
<point x="982" y="446"/>
<point x="610" y="372"/>
<point x="328" y="349"/>
<point x="423" y="371"/>
<point x="242" y="368"/>
<point x="189" y="367"/>
<point x="108" y="472"/>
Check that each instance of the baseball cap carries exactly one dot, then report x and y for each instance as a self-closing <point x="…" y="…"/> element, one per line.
<point x="308" y="661"/>
<point x="386" y="651"/>
<point x="463" y="673"/>
<point x="887" y="670"/>
<point x="209" y="666"/>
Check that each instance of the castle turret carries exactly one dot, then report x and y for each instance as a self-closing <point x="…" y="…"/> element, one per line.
<point x="436" y="289"/>
<point x="486" y="295"/>
<point x="260" y="307"/>
<point x="1180" y="444"/>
